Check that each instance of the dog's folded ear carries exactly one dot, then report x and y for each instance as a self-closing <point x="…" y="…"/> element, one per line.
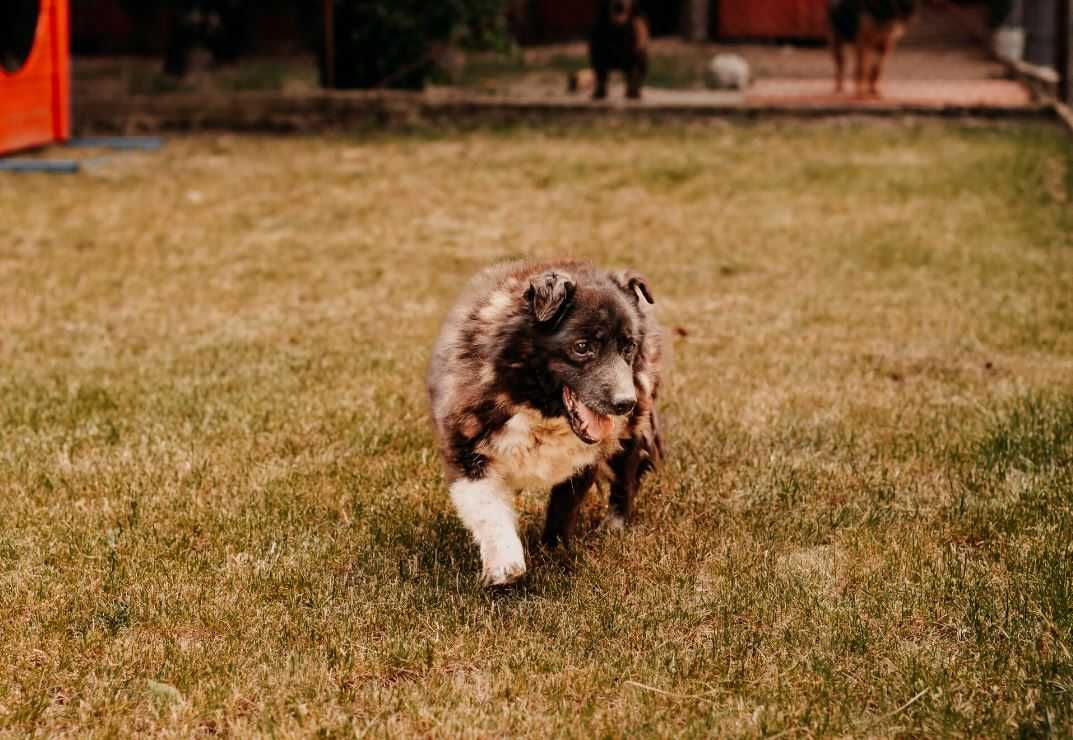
<point x="549" y="295"/>
<point x="635" y="284"/>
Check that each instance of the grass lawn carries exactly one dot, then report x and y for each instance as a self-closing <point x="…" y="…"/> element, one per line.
<point x="221" y="510"/>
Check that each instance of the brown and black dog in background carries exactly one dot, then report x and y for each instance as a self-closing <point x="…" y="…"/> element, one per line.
<point x="619" y="41"/>
<point x="872" y="27"/>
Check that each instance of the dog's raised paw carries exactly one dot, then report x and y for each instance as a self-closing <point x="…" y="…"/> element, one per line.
<point x="504" y="564"/>
<point x="502" y="574"/>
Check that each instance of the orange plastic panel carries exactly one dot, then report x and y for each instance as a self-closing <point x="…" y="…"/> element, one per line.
<point x="772" y="19"/>
<point x="35" y="101"/>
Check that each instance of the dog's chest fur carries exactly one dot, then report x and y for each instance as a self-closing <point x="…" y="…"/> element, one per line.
<point x="532" y="451"/>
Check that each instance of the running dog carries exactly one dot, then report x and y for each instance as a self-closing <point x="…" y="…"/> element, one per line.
<point x="545" y="376"/>
<point x="873" y="27"/>
<point x="619" y="40"/>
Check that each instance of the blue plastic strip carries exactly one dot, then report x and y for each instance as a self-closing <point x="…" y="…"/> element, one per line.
<point x="142" y="143"/>
<point x="50" y="166"/>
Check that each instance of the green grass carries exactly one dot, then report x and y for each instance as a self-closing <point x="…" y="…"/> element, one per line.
<point x="482" y="68"/>
<point x="676" y="72"/>
<point x="494" y="71"/>
<point x="145" y="76"/>
<point x="221" y="510"/>
<point x="264" y="75"/>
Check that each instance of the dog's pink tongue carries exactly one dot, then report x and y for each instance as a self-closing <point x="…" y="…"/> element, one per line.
<point x="597" y="425"/>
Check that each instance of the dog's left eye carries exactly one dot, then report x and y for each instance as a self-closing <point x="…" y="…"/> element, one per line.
<point x="629" y="347"/>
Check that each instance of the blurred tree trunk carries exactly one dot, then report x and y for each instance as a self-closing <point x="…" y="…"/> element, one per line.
<point x="1040" y="32"/>
<point x="1064" y="43"/>
<point x="328" y="63"/>
<point x="695" y="17"/>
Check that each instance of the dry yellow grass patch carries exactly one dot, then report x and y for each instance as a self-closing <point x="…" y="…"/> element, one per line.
<point x="220" y="510"/>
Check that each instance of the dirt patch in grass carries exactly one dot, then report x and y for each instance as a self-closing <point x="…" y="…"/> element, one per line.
<point x="221" y="510"/>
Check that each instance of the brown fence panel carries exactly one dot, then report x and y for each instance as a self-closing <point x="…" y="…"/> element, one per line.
<point x="555" y="19"/>
<point x="773" y="19"/>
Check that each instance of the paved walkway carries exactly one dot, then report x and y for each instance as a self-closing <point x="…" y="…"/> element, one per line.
<point x="795" y="93"/>
<point x="895" y="92"/>
<point x="942" y="61"/>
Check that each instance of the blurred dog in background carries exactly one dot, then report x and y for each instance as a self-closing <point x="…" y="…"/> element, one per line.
<point x="619" y="41"/>
<point x="872" y="27"/>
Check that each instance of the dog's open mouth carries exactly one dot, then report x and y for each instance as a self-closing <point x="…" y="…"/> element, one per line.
<point x="590" y="426"/>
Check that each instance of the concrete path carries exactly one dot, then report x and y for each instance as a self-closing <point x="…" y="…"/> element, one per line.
<point x="895" y="93"/>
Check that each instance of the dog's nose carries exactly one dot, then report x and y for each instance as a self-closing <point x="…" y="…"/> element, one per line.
<point x="623" y="406"/>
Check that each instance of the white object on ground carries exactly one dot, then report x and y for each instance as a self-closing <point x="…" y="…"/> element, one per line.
<point x="727" y="72"/>
<point x="1009" y="43"/>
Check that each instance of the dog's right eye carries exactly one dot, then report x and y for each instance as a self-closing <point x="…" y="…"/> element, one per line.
<point x="582" y="348"/>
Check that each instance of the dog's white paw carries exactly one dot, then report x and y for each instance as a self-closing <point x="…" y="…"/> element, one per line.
<point x="613" y="523"/>
<point x="502" y="563"/>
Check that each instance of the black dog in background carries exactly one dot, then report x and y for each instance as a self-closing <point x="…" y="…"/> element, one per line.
<point x="220" y="26"/>
<point x="619" y="41"/>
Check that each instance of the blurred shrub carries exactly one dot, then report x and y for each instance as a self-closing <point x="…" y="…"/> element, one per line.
<point x="1003" y="10"/>
<point x="399" y="43"/>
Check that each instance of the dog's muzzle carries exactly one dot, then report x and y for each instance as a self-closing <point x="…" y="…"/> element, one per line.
<point x="590" y="426"/>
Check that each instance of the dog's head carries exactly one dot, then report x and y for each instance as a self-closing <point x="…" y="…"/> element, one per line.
<point x="892" y="9"/>
<point x="619" y="12"/>
<point x="906" y="8"/>
<point x="589" y="333"/>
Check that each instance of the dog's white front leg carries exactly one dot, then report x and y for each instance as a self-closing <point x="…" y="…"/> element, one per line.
<point x="486" y="507"/>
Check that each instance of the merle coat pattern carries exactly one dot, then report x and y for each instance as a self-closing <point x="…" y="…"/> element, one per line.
<point x="545" y="376"/>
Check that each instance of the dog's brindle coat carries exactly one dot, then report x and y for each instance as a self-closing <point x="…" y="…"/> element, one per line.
<point x="873" y="27"/>
<point x="619" y="40"/>
<point x="545" y="375"/>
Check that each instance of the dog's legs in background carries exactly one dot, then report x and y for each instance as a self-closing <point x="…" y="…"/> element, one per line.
<point x="626" y="466"/>
<point x="838" y="48"/>
<point x="883" y="49"/>
<point x="486" y="507"/>
<point x="863" y="67"/>
<point x="877" y="69"/>
<point x="633" y="84"/>
<point x="635" y="75"/>
<point x="602" y="74"/>
<point x="635" y="78"/>
<point x="566" y="500"/>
